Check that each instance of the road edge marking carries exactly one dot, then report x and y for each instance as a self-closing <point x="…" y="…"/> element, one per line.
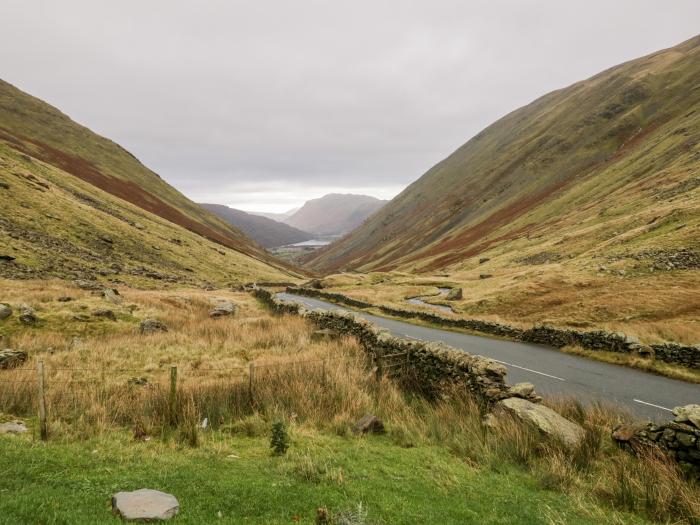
<point x="527" y="369"/>
<point x="652" y="405"/>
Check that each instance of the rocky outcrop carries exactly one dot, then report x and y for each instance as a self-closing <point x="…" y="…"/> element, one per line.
<point x="11" y="358"/>
<point x="105" y="314"/>
<point x="112" y="296"/>
<point x="369" y="424"/>
<point x="84" y="284"/>
<point x="222" y="308"/>
<point x="542" y="418"/>
<point x="5" y="311"/>
<point x="145" y="505"/>
<point x="27" y="315"/>
<point x="151" y="326"/>
<point x="679" y="438"/>
<point x="688" y="356"/>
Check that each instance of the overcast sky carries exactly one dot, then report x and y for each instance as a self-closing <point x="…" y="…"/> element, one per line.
<point x="261" y="105"/>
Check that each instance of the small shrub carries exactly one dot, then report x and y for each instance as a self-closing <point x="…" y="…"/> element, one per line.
<point x="279" y="441"/>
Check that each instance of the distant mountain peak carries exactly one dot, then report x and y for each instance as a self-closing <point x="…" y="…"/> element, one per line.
<point x="335" y="213"/>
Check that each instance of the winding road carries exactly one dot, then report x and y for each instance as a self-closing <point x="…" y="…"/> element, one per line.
<point x="553" y="373"/>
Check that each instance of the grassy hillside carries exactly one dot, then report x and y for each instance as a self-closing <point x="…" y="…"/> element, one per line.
<point x="335" y="213"/>
<point x="35" y="128"/>
<point x="582" y="207"/>
<point x="76" y="205"/>
<point x="56" y="225"/>
<point x="267" y="232"/>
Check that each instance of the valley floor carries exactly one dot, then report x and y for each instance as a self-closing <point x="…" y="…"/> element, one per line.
<point x="111" y="427"/>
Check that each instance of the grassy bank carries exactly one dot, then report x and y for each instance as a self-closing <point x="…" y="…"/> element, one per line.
<point x="234" y="479"/>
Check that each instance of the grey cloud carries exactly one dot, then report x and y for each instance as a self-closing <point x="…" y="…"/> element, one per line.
<point x="312" y="95"/>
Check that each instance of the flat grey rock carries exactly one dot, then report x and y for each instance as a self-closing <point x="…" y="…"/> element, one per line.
<point x="369" y="424"/>
<point x="688" y="414"/>
<point x="145" y="505"/>
<point x="223" y="308"/>
<point x="544" y="419"/>
<point x="13" y="427"/>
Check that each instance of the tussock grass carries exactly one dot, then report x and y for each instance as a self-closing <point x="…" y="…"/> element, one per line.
<point x="317" y="387"/>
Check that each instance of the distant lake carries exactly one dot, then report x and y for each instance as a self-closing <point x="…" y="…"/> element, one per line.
<point x="312" y="242"/>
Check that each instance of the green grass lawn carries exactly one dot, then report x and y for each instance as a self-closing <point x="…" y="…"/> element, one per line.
<point x="234" y="479"/>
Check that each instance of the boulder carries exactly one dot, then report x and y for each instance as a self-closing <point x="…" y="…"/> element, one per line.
<point x="544" y="419"/>
<point x="145" y="505"/>
<point x="523" y="390"/>
<point x="5" y="311"/>
<point x="107" y="314"/>
<point x="150" y="326"/>
<point x="223" y="309"/>
<point x="369" y="424"/>
<point x="13" y="427"/>
<point x="111" y="295"/>
<point x="454" y="294"/>
<point x="11" y="358"/>
<point x="688" y="413"/>
<point x="27" y="315"/>
<point x="84" y="284"/>
<point x="65" y="299"/>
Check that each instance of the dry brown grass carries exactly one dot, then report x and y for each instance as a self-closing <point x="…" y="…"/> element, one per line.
<point x="318" y="386"/>
<point x="653" y="307"/>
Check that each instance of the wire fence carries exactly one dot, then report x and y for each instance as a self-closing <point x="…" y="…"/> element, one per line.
<point x="170" y="395"/>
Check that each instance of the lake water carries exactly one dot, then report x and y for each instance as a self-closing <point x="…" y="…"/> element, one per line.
<point x="312" y="242"/>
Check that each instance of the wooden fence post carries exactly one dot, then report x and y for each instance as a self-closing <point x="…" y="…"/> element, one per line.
<point x="172" y="401"/>
<point x="43" y="428"/>
<point x="251" y="374"/>
<point x="379" y="367"/>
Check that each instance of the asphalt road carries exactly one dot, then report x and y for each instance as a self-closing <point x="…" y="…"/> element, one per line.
<point x="553" y="373"/>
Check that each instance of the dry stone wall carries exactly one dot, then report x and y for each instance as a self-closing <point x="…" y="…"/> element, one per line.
<point x="431" y="367"/>
<point x="688" y="356"/>
<point x="679" y="438"/>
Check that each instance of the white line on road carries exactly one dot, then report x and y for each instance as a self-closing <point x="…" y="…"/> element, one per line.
<point x="528" y="369"/>
<point x="411" y="337"/>
<point x="651" y="404"/>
